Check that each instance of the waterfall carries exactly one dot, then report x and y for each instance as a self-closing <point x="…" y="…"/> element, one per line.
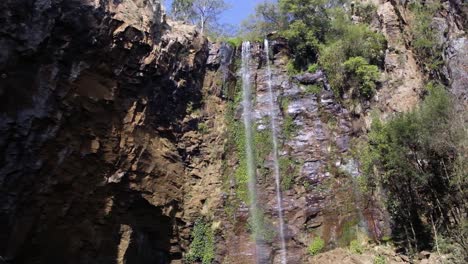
<point x="276" y="169"/>
<point x="247" y="116"/>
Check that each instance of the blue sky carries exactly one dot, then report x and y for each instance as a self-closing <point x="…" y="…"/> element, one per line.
<point x="240" y="9"/>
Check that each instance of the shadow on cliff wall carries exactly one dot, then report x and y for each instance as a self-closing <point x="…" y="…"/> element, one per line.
<point x="63" y="105"/>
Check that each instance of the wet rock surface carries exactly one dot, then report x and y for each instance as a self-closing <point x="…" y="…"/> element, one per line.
<point x="314" y="133"/>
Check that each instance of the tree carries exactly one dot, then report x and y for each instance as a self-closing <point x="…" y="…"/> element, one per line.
<point x="201" y="12"/>
<point x="182" y="9"/>
<point x="267" y="18"/>
<point x="419" y="160"/>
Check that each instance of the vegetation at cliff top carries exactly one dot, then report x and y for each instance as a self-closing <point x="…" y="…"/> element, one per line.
<point x="322" y="34"/>
<point x="420" y="160"/>
<point x="203" y="13"/>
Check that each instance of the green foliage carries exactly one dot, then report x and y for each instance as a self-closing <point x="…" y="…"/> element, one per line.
<point x="349" y="231"/>
<point x="425" y="42"/>
<point x="386" y="239"/>
<point x="263" y="144"/>
<point x="291" y="69"/>
<point x="289" y="169"/>
<point x="267" y="19"/>
<point x="362" y="75"/>
<point x="313" y="68"/>
<point x="452" y="249"/>
<point x="380" y="260"/>
<point x="316" y="246"/>
<point x="348" y="41"/>
<point x="357" y="39"/>
<point x="313" y="89"/>
<point x="236" y="145"/>
<point x="202" y="248"/>
<point x="304" y="42"/>
<point x="203" y="128"/>
<point x="181" y="9"/>
<point x="356" y="247"/>
<point x="234" y="42"/>
<point x="367" y="11"/>
<point x="320" y="32"/>
<point x="289" y="128"/>
<point x="417" y="158"/>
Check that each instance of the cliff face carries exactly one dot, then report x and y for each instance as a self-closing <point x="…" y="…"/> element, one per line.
<point x="94" y="96"/>
<point x="114" y="135"/>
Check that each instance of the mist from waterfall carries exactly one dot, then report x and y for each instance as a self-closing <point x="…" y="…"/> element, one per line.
<point x="276" y="169"/>
<point x="249" y="142"/>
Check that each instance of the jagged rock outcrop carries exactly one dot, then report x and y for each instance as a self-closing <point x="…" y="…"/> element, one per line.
<point x="403" y="76"/>
<point x="94" y="100"/>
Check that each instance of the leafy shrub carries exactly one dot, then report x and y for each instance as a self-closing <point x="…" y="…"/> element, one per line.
<point x="356" y="247"/>
<point x="304" y="43"/>
<point x="291" y="69"/>
<point x="425" y="42"/>
<point x="236" y="145"/>
<point x="202" y="247"/>
<point x="361" y="74"/>
<point x="367" y="11"/>
<point x="234" y="42"/>
<point x="289" y="169"/>
<point x="313" y="68"/>
<point x="316" y="246"/>
<point x="203" y="128"/>
<point x="350" y="41"/>
<point x="349" y="232"/>
<point x="289" y="128"/>
<point x="308" y="22"/>
<point x="380" y="260"/>
<point x="313" y="89"/>
<point x="417" y="158"/>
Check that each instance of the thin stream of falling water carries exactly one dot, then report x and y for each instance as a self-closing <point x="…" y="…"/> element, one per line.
<point x="275" y="154"/>
<point x="247" y="106"/>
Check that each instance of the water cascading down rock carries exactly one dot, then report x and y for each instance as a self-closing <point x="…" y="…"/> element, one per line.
<point x="274" y="138"/>
<point x="247" y="119"/>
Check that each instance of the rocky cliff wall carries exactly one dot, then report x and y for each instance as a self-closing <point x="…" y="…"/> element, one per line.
<point x="115" y="135"/>
<point x="94" y="99"/>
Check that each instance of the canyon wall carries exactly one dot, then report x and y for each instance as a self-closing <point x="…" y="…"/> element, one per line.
<point x="115" y="134"/>
<point x="94" y="102"/>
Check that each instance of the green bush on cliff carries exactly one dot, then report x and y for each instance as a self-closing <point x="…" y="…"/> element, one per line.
<point x="316" y="246"/>
<point x="202" y="248"/>
<point x="352" y="42"/>
<point x="425" y="42"/>
<point x="313" y="89"/>
<point x="380" y="260"/>
<point x="419" y="159"/>
<point x="356" y="247"/>
<point x="361" y="75"/>
<point x="321" y="33"/>
<point x="235" y="146"/>
<point x="289" y="169"/>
